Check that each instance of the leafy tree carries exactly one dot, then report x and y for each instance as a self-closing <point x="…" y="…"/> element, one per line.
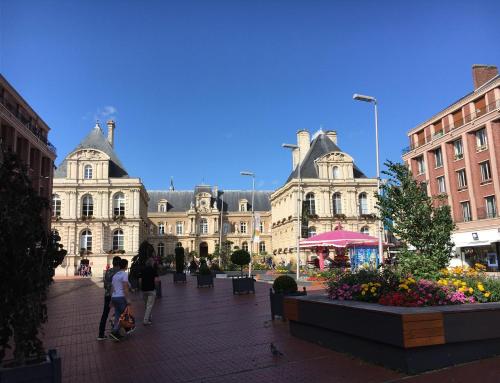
<point x="240" y="258"/>
<point x="28" y="257"/>
<point x="418" y="220"/>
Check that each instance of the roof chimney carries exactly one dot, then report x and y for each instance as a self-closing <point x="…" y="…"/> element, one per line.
<point x="304" y="142"/>
<point x="332" y="135"/>
<point x="481" y="74"/>
<point x="111" y="131"/>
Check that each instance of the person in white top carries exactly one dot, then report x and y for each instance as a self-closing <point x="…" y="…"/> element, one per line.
<point x="119" y="296"/>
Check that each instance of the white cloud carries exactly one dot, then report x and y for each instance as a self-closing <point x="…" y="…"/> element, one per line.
<point x="105" y="113"/>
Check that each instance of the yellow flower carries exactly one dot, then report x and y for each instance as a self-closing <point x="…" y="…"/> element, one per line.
<point x="403" y="286"/>
<point x="464" y="283"/>
<point x="411" y="280"/>
<point x="480" y="287"/>
<point x="364" y="285"/>
<point x="363" y="292"/>
<point x="487" y="294"/>
<point x="471" y="290"/>
<point x="461" y="289"/>
<point x="373" y="289"/>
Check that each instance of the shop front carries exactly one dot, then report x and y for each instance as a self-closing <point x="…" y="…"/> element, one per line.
<point x="481" y="246"/>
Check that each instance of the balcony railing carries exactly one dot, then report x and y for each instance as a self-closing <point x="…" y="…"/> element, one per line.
<point x="456" y="124"/>
<point x="28" y="126"/>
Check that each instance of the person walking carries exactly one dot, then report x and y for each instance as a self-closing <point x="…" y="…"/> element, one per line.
<point x="119" y="297"/>
<point x="108" y="278"/>
<point x="148" y="279"/>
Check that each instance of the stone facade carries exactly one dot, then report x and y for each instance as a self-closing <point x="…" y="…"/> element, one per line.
<point x="333" y="190"/>
<point x="97" y="209"/>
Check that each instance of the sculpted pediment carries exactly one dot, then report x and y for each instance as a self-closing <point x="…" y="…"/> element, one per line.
<point x="335" y="157"/>
<point x="89" y="154"/>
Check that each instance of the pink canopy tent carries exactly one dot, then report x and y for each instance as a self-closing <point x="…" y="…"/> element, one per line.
<point x="337" y="238"/>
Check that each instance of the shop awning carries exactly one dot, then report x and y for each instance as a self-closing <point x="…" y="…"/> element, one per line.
<point x="472" y="244"/>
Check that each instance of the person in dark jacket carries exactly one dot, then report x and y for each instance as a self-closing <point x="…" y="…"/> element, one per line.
<point x="108" y="277"/>
<point x="148" y="280"/>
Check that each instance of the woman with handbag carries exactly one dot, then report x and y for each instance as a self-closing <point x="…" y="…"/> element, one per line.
<point x="120" y="300"/>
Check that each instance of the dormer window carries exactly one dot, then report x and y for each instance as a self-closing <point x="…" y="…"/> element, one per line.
<point x="87" y="172"/>
<point x="336" y="173"/>
<point x="243" y="205"/>
<point x="162" y="206"/>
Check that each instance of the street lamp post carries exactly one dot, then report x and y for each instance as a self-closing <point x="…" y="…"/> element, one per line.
<point x="373" y="100"/>
<point x="293" y="147"/>
<point x="250" y="174"/>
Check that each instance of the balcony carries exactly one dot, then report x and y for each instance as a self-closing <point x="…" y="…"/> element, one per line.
<point x="495" y="105"/>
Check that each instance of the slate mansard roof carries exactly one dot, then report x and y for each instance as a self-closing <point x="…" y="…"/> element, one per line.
<point x="96" y="140"/>
<point x="180" y="201"/>
<point x="320" y="146"/>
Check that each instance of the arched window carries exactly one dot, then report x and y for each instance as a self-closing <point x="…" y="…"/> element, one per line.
<point x="86" y="240"/>
<point x="310" y="204"/>
<point x="311" y="231"/>
<point x="179" y="244"/>
<point x="162" y="208"/>
<point x="363" y="204"/>
<point x="244" y="246"/>
<point x="336" y="173"/>
<point x="56" y="206"/>
<point x="161" y="250"/>
<point x="262" y="247"/>
<point x="87" y="172"/>
<point x="337" y="203"/>
<point x="203" y="226"/>
<point x="87" y="206"/>
<point x="161" y="229"/>
<point x="118" y="240"/>
<point x="118" y="204"/>
<point x="365" y="230"/>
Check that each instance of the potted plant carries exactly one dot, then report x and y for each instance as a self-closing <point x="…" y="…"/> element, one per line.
<point x="179" y="275"/>
<point x="204" y="277"/>
<point x="283" y="286"/>
<point x="241" y="283"/>
<point x="28" y="255"/>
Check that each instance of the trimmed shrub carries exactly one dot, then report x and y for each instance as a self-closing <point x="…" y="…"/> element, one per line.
<point x="240" y="258"/>
<point x="179" y="259"/>
<point x="284" y="284"/>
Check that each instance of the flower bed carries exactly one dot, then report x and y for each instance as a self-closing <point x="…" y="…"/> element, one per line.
<point x="454" y="286"/>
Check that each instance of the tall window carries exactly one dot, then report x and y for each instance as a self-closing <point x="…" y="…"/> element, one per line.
<point x="458" y="149"/>
<point x="203" y="226"/>
<point x="118" y="240"/>
<point x="244" y="246"/>
<point x="481" y="139"/>
<point x="310" y="204"/>
<point x="261" y="226"/>
<point x="441" y="184"/>
<point x="363" y="204"/>
<point x="243" y="206"/>
<point x="56" y="206"/>
<point x="466" y="212"/>
<point x="119" y="204"/>
<point x="438" y="156"/>
<point x="86" y="240"/>
<point x="365" y="230"/>
<point x="336" y="173"/>
<point x="162" y="208"/>
<point x="87" y="172"/>
<point x="485" y="171"/>
<point x="491" y="208"/>
<point x="226" y="228"/>
<point x="311" y="231"/>
<point x="462" y="179"/>
<point x="420" y="165"/>
<point x="179" y="227"/>
<point x="337" y="203"/>
<point x="243" y="227"/>
<point x="87" y="206"/>
<point x="161" y="229"/>
<point x="161" y="250"/>
<point x="262" y="247"/>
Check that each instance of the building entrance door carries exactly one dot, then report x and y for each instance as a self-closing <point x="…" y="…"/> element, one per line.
<point x="203" y="250"/>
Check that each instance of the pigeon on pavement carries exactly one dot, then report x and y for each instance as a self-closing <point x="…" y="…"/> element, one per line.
<point x="275" y="351"/>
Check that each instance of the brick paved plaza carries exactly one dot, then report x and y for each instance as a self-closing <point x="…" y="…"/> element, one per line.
<point x="207" y="335"/>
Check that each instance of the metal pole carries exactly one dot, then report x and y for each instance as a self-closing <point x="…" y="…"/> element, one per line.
<point x="253" y="228"/>
<point x="298" y="216"/>
<point x="380" y="247"/>
<point x="220" y="230"/>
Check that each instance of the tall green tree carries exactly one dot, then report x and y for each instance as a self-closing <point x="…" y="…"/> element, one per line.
<point x="422" y="223"/>
<point x="28" y="257"/>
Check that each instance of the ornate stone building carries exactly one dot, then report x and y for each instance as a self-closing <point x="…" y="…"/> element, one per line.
<point x="97" y="208"/>
<point x="334" y="192"/>
<point x="194" y="219"/>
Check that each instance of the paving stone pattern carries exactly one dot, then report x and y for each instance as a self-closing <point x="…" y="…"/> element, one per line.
<point x="206" y="335"/>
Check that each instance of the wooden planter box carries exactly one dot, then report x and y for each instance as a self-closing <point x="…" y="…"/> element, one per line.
<point x="205" y="280"/>
<point x="402" y="338"/>
<point x="277" y="302"/>
<point x="243" y="285"/>
<point x="45" y="372"/>
<point x="179" y="277"/>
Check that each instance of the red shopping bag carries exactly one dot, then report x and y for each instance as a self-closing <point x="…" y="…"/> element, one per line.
<point x="127" y="320"/>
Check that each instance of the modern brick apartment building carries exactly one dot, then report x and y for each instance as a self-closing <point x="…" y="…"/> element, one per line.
<point x="457" y="153"/>
<point x="24" y="132"/>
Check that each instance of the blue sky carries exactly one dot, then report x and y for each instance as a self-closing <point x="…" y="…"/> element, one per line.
<point x="201" y="90"/>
